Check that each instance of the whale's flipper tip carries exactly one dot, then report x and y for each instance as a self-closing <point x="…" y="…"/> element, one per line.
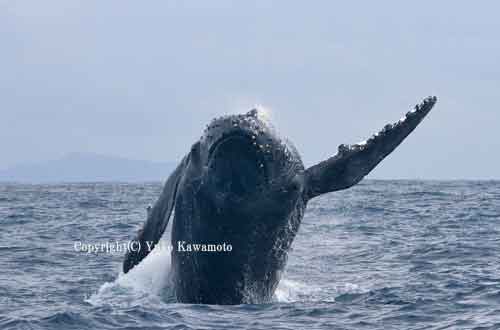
<point x="353" y="162"/>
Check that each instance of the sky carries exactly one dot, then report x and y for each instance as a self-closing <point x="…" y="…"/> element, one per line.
<point x="141" y="79"/>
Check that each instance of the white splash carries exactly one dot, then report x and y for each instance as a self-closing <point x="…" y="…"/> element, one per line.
<point x="362" y="143"/>
<point x="289" y="291"/>
<point x="292" y="291"/>
<point x="264" y="113"/>
<point x="147" y="278"/>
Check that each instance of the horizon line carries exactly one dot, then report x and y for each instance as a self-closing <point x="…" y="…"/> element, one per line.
<point x="50" y="182"/>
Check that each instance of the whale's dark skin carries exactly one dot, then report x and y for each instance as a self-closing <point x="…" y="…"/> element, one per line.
<point x="242" y="185"/>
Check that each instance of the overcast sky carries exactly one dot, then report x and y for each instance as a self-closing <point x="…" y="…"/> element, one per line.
<point x="141" y="79"/>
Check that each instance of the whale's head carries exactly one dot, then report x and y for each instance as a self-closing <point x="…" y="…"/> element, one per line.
<point x="241" y="185"/>
<point x="241" y="165"/>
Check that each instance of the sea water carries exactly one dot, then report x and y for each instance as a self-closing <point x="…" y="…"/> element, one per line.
<point x="382" y="255"/>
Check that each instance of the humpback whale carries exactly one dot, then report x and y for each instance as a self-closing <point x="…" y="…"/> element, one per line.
<point x="243" y="186"/>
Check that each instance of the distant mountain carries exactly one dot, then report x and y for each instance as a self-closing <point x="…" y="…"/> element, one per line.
<point x="87" y="167"/>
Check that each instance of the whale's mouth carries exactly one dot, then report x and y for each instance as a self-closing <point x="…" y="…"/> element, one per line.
<point x="236" y="165"/>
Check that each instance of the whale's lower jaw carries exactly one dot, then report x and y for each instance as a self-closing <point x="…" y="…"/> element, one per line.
<point x="237" y="295"/>
<point x="249" y="273"/>
<point x="219" y="287"/>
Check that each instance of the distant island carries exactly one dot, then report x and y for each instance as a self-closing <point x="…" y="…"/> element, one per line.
<point x="88" y="167"/>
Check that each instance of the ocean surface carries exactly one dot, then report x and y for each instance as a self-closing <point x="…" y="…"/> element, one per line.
<point x="382" y="255"/>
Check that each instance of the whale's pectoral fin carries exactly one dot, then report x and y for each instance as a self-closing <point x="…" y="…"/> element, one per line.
<point x="156" y="223"/>
<point x="354" y="162"/>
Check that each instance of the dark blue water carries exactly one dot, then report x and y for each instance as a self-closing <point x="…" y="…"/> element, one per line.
<point x="383" y="255"/>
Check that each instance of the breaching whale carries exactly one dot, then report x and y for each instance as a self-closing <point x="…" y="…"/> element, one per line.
<point x="242" y="186"/>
